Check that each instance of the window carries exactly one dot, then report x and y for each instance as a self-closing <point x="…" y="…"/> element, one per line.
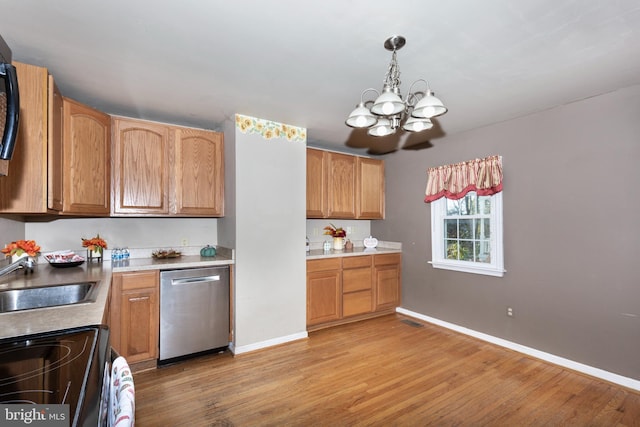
<point x="466" y="234"/>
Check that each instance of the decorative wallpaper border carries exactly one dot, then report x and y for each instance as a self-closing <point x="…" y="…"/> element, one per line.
<point x="269" y="130"/>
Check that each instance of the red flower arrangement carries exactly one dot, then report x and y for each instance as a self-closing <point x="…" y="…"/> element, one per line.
<point x="96" y="244"/>
<point x="20" y="247"/>
<point x="334" y="231"/>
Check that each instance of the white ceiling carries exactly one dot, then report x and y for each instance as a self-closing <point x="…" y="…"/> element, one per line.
<point x="305" y="63"/>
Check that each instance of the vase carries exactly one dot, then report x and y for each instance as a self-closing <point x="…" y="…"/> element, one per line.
<point x="338" y="243"/>
<point x="15" y="257"/>
<point x="94" y="255"/>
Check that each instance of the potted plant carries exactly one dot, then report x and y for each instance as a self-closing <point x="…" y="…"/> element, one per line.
<point x="20" y="249"/>
<point x="338" y="234"/>
<point x="95" y="247"/>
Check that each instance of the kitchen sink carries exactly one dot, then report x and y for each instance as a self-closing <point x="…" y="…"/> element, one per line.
<point x="47" y="296"/>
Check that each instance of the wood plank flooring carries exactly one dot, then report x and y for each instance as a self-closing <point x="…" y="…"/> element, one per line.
<point x="379" y="372"/>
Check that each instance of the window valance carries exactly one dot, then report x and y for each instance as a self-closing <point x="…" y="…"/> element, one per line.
<point x="484" y="176"/>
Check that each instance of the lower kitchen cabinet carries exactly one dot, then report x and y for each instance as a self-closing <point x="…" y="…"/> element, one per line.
<point x="135" y="319"/>
<point x="346" y="289"/>
<point x="324" y="291"/>
<point x="387" y="281"/>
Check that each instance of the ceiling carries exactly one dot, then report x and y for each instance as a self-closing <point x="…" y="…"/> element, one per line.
<point x="304" y="63"/>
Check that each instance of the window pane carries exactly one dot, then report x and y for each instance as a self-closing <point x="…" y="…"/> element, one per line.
<point x="466" y="250"/>
<point x="483" y="229"/>
<point x="483" y="251"/>
<point x="452" y="207"/>
<point x="452" y="249"/>
<point x="485" y="205"/>
<point x="451" y="225"/>
<point x="466" y="229"/>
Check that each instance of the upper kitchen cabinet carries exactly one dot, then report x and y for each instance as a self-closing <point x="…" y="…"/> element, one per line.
<point x="86" y="159"/>
<point x="370" y="188"/>
<point x="341" y="186"/>
<point x="344" y="186"/>
<point x="199" y="172"/>
<point x="316" y="183"/>
<point x="34" y="182"/>
<point x="140" y="167"/>
<point x="161" y="170"/>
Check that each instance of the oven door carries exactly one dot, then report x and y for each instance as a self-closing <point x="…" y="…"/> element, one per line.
<point x="64" y="367"/>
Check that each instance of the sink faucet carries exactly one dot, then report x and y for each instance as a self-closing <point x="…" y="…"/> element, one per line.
<point x="27" y="263"/>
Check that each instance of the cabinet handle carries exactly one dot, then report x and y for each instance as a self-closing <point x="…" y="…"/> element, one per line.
<point x="138" y="298"/>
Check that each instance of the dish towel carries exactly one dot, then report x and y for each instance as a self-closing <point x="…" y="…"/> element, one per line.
<point x="122" y="395"/>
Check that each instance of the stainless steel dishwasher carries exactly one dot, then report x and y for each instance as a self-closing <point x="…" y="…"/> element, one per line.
<point x="194" y="311"/>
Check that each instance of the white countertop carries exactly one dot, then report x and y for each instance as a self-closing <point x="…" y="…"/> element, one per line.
<point x="39" y="320"/>
<point x="46" y="319"/>
<point x="382" y="248"/>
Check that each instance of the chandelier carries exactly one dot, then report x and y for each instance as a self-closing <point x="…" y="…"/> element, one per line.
<point x="389" y="111"/>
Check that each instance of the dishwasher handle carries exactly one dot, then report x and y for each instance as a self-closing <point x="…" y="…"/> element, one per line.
<point x="192" y="280"/>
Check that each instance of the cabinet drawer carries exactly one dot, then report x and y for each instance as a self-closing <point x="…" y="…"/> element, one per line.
<point x="323" y="264"/>
<point x="140" y="280"/>
<point x="387" y="259"/>
<point x="356" y="303"/>
<point x="356" y="261"/>
<point x="356" y="279"/>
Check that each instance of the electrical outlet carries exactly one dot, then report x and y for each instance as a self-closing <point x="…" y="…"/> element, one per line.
<point x="185" y="242"/>
<point x="509" y="311"/>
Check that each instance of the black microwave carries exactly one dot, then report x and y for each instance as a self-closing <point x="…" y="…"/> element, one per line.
<point x="9" y="103"/>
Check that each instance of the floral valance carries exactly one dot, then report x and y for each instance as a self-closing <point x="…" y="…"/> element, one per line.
<point x="484" y="176"/>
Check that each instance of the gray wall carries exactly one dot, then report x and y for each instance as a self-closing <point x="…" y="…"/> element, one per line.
<point x="571" y="232"/>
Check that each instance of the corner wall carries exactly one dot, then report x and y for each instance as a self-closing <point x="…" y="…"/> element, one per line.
<point x="571" y="232"/>
<point x="270" y="227"/>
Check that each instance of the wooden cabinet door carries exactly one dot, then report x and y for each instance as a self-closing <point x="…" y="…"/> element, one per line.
<point x="135" y="321"/>
<point x="341" y="179"/>
<point x="87" y="160"/>
<point x="387" y="281"/>
<point x="199" y="172"/>
<point x="324" y="290"/>
<point x="24" y="189"/>
<point x="55" y="161"/>
<point x="370" y="188"/>
<point x="140" y="167"/>
<point x="323" y="297"/>
<point x="138" y="324"/>
<point x="316" y="183"/>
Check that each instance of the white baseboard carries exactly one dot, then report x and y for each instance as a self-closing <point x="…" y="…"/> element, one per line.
<point x="268" y="343"/>
<point x="557" y="360"/>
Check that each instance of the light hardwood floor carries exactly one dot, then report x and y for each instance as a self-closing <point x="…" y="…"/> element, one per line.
<point x="379" y="372"/>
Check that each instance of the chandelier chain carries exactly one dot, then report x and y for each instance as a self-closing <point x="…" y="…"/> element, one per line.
<point x="392" y="78"/>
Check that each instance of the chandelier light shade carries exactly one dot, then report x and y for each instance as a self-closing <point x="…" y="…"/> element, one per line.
<point x="389" y="111"/>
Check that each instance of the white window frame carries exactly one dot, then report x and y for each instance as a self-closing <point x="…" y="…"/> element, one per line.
<point x="495" y="268"/>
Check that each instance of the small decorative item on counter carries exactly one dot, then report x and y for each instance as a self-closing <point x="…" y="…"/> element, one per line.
<point x="348" y="245"/>
<point x="208" y="251"/>
<point x="21" y="248"/>
<point x="333" y="231"/>
<point x="370" y="242"/>
<point x="161" y="254"/>
<point x="338" y="234"/>
<point x="63" y="259"/>
<point x="95" y="248"/>
<point x="326" y="246"/>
